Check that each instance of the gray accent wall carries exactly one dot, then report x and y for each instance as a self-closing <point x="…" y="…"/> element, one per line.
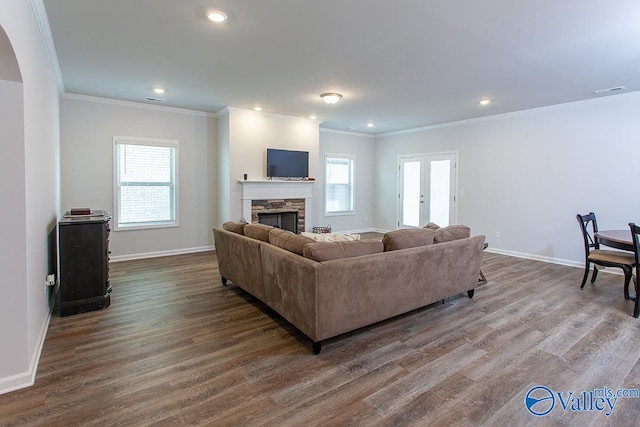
<point x="527" y="174"/>
<point x="88" y="127"/>
<point x="361" y="146"/>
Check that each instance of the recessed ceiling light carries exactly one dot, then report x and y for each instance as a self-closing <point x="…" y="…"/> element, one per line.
<point x="217" y="15"/>
<point x="484" y="101"/>
<point x="158" y="90"/>
<point x="370" y="125"/>
<point x="154" y="99"/>
<point x="257" y="108"/>
<point x="331" y="98"/>
<point x="312" y="117"/>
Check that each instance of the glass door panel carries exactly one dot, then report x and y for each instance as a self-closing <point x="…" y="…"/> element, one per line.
<point x="412" y="194"/>
<point x="440" y="192"/>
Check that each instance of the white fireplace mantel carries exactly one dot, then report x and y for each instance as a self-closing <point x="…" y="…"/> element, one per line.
<point x="261" y="190"/>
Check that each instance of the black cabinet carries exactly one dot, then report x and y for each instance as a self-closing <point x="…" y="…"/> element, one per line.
<point x="84" y="262"/>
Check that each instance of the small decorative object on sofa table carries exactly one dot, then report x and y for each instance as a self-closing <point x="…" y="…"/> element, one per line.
<point x="84" y="261"/>
<point x="322" y="230"/>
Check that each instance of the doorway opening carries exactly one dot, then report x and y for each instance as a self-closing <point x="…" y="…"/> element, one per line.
<point x="427" y="189"/>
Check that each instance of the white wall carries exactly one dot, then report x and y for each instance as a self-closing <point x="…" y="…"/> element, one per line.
<point x="223" y="173"/>
<point x="212" y="173"/>
<point x="88" y="126"/>
<point x="527" y="174"/>
<point x="37" y="206"/>
<point x="13" y="304"/>
<point x="250" y="133"/>
<point x="362" y="147"/>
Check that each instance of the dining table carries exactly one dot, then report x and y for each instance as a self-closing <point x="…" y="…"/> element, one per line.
<point x="619" y="239"/>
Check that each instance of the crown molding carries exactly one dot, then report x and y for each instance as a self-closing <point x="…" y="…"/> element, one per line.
<point x="132" y="104"/>
<point x="520" y="113"/>
<point x="42" y="21"/>
<point x="228" y="109"/>
<point x="348" y="132"/>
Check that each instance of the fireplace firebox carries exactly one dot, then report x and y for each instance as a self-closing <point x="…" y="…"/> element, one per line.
<point x="286" y="220"/>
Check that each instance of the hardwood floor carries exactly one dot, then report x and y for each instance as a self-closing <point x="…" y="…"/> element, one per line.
<point x="178" y="348"/>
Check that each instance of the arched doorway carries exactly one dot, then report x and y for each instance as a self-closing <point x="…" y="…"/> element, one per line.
<point x="13" y="304"/>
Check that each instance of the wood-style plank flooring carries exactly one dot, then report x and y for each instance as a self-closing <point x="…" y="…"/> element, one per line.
<point x="177" y="348"/>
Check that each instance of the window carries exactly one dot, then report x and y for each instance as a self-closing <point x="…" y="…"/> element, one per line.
<point x="339" y="184"/>
<point x="146" y="189"/>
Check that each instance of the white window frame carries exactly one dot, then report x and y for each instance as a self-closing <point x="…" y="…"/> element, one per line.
<point x="127" y="140"/>
<point x="352" y="159"/>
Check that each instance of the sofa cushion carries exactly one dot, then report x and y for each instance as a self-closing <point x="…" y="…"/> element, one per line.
<point x="327" y="251"/>
<point x="452" y="232"/>
<point x="258" y="231"/>
<point x="287" y="240"/>
<point x="234" y="227"/>
<point x="407" y="238"/>
<point x="432" y="225"/>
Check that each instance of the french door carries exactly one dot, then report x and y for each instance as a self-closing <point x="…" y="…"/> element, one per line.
<point x="427" y="190"/>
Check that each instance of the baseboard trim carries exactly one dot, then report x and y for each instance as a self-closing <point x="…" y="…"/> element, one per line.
<point x="550" y="260"/>
<point x="131" y="257"/>
<point x="27" y="379"/>
<point x="534" y="257"/>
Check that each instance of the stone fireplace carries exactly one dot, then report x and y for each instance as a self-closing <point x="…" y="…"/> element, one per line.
<point x="275" y="198"/>
<point x="288" y="214"/>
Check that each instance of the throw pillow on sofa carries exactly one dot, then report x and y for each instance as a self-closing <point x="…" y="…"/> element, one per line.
<point x="432" y="225"/>
<point x="331" y="237"/>
<point x="287" y="240"/>
<point x="452" y="232"/>
<point x="258" y="231"/>
<point x="327" y="251"/>
<point x="407" y="238"/>
<point x="234" y="227"/>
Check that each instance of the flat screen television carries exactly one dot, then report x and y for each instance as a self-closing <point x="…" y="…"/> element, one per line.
<point x="287" y="163"/>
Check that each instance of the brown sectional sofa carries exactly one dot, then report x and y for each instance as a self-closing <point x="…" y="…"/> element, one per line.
<point x="328" y="288"/>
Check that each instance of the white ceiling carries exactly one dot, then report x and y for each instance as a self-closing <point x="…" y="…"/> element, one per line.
<point x="400" y="64"/>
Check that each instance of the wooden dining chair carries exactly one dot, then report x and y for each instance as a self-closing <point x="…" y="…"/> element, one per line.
<point x="600" y="257"/>
<point x="635" y="238"/>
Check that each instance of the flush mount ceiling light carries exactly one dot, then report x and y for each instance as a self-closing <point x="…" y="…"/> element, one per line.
<point x="158" y="90"/>
<point x="370" y="125"/>
<point x="331" y="98"/>
<point x="312" y="117"/>
<point x="485" y="101"/>
<point x="257" y="108"/>
<point x="217" y="15"/>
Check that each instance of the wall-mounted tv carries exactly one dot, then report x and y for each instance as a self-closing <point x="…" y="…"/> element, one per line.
<point x="287" y="163"/>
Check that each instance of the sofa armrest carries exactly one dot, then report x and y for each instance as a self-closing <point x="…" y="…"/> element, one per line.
<point x="290" y="284"/>
<point x="239" y="260"/>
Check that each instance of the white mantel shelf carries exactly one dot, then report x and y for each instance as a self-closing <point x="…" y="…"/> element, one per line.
<point x="267" y="190"/>
<point x="276" y="182"/>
